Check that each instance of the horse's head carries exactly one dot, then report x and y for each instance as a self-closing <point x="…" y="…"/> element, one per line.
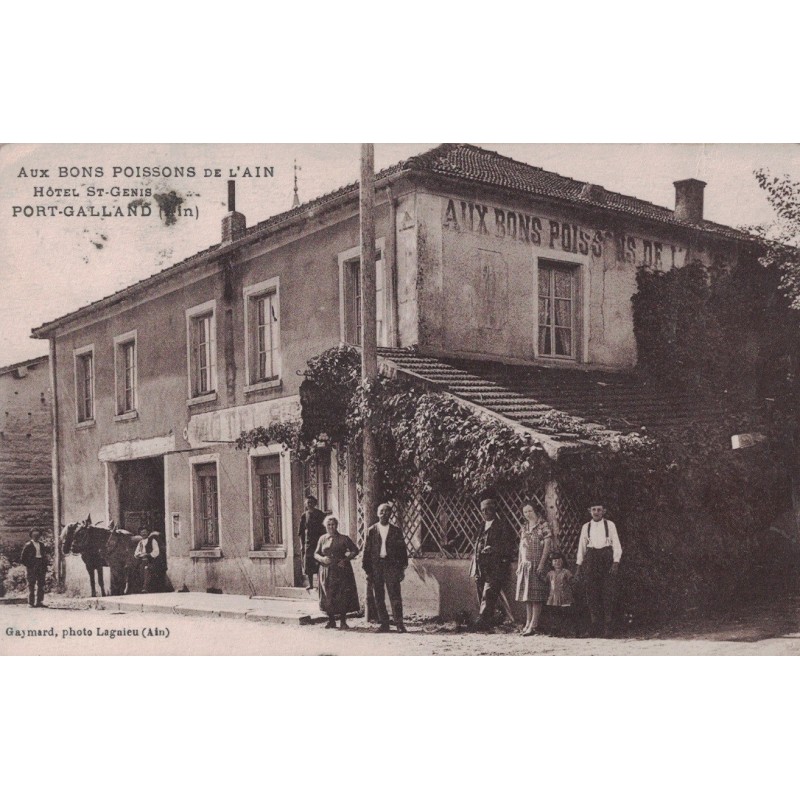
<point x="87" y="537"/>
<point x="118" y="538"/>
<point x="67" y="537"/>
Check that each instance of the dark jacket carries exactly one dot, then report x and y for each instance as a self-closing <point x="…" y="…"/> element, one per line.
<point x="495" y="549"/>
<point x="28" y="555"/>
<point x="396" y="552"/>
<point x="311" y="530"/>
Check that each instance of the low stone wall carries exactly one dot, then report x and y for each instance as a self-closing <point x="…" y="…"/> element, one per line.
<point x="435" y="587"/>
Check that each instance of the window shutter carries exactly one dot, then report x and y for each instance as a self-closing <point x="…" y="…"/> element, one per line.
<point x="212" y="352"/>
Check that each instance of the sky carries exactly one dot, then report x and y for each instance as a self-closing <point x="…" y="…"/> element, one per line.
<point x="52" y="265"/>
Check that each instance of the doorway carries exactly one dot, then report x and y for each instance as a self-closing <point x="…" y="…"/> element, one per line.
<point x="140" y="493"/>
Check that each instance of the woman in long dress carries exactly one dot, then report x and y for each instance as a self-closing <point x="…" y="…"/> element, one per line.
<point x="338" y="595"/>
<point x="535" y="541"/>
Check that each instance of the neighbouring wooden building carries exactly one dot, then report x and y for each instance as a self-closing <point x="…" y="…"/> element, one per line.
<point x="508" y="286"/>
<point x="26" y="440"/>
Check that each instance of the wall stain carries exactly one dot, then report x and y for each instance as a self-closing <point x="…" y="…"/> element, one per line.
<point x="169" y="203"/>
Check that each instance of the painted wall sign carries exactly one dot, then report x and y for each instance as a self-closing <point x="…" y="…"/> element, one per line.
<point x="462" y="216"/>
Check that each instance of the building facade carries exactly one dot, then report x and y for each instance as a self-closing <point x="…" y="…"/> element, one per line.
<point x="479" y="258"/>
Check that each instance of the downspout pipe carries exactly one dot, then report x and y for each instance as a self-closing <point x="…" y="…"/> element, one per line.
<point x="393" y="279"/>
<point x="58" y="563"/>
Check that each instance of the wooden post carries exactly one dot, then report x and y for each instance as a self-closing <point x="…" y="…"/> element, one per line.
<point x="58" y="565"/>
<point x="369" y="352"/>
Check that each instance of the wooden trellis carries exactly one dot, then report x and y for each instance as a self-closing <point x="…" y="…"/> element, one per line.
<point x="569" y="525"/>
<point x="446" y="526"/>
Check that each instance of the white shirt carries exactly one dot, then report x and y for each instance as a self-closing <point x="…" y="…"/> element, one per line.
<point x="38" y="546"/>
<point x="383" y="530"/>
<point x="593" y="535"/>
<point x="487" y="524"/>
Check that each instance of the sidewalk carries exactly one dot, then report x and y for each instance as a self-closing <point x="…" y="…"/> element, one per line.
<point x="294" y="611"/>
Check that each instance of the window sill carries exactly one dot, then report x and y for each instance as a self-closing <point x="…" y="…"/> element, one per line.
<point x="210" y="397"/>
<point x="87" y="423"/>
<point x="212" y="552"/>
<point x="259" y="387"/>
<point x="275" y="552"/>
<point x="128" y="415"/>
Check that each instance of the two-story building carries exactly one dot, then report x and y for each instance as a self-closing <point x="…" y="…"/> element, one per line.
<point x="487" y="267"/>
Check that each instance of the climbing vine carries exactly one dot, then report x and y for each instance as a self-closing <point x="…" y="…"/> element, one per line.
<point x="694" y="512"/>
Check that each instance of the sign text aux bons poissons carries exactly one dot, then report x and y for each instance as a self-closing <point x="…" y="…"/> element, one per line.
<point x="463" y="216"/>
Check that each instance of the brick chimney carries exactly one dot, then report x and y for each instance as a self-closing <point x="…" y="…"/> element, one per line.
<point x="689" y="200"/>
<point x="233" y="223"/>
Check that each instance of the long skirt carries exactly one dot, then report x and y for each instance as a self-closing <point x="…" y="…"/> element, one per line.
<point x="337" y="589"/>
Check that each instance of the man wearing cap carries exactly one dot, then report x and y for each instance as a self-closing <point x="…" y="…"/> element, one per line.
<point x="34" y="559"/>
<point x="495" y="548"/>
<point x="599" y="553"/>
<point x="312" y="527"/>
<point x="385" y="561"/>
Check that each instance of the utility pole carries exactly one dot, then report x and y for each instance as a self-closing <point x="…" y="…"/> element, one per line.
<point x="369" y="348"/>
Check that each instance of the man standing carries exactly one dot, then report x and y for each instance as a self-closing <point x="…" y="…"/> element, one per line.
<point x="385" y="561"/>
<point x="599" y="552"/>
<point x="34" y="559"/>
<point x="495" y="549"/>
<point x="312" y="526"/>
<point x="155" y="570"/>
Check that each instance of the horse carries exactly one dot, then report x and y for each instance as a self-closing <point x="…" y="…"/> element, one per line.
<point x="125" y="571"/>
<point x="89" y="542"/>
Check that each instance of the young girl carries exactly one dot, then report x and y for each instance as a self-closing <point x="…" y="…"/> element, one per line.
<point x="561" y="597"/>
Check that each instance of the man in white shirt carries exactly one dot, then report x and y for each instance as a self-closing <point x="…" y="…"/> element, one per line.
<point x="599" y="553"/>
<point x="385" y="561"/>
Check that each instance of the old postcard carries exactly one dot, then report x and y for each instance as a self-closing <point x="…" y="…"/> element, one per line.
<point x="402" y="399"/>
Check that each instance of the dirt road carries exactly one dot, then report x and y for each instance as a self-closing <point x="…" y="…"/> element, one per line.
<point x="763" y="630"/>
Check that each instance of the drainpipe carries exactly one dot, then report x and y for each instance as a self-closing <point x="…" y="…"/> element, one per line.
<point x="393" y="309"/>
<point x="58" y="566"/>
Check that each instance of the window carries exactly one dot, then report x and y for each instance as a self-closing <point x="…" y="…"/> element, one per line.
<point x="262" y="326"/>
<point x="351" y="304"/>
<point x="268" y="531"/>
<point x="125" y="372"/>
<point x="558" y="306"/>
<point x="202" y="349"/>
<point x="206" y="510"/>
<point x="84" y="383"/>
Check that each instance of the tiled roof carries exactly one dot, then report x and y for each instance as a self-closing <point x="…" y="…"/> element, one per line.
<point x="31" y="362"/>
<point x="459" y="161"/>
<point x="614" y="402"/>
<point x="467" y="162"/>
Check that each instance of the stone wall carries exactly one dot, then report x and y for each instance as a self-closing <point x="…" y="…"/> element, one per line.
<point x="26" y="498"/>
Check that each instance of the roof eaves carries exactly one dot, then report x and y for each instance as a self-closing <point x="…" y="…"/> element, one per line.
<point x="27" y="363"/>
<point x="252" y="234"/>
<point x="665" y="217"/>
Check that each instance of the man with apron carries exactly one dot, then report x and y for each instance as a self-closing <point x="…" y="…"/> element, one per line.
<point x="599" y="552"/>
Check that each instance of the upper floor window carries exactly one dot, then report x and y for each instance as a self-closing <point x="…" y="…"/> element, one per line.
<point x="558" y="309"/>
<point x="84" y="383"/>
<point x="351" y="306"/>
<point x="201" y="332"/>
<point x="125" y="372"/>
<point x="262" y="332"/>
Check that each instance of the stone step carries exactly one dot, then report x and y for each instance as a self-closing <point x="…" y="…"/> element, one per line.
<point x="263" y="609"/>
<point x="290" y="593"/>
